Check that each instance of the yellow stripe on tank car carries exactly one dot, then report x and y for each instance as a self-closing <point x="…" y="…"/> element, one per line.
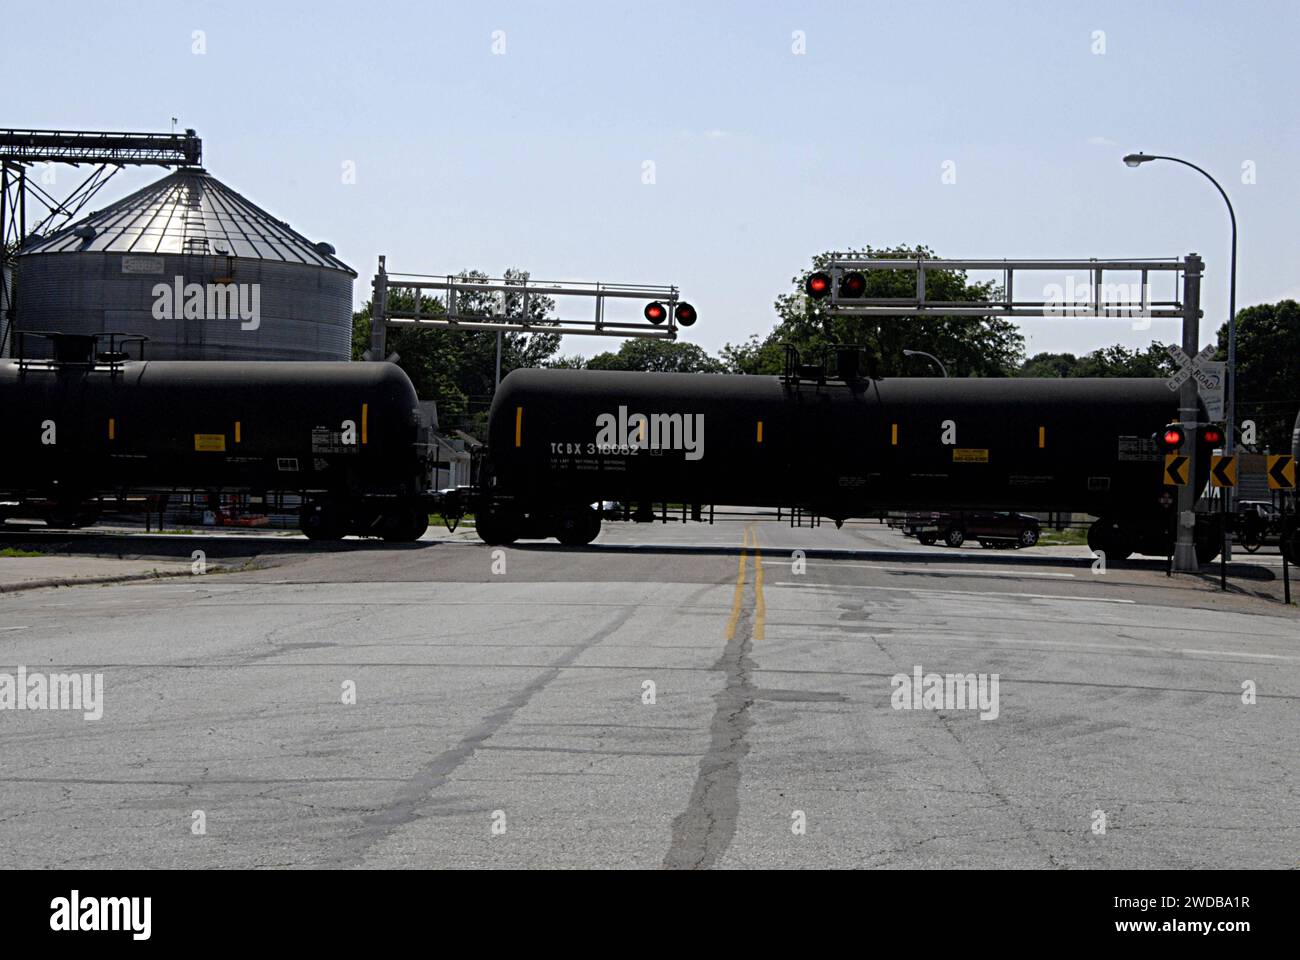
<point x="365" y="422"/>
<point x="238" y="435"/>
<point x="893" y="435"/>
<point x="760" y="431"/>
<point x="519" y="426"/>
<point x="112" y="429"/>
<point x="1042" y="437"/>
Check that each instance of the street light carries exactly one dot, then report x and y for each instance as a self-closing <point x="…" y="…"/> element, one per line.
<point x="922" y="353"/>
<point x="1230" y="441"/>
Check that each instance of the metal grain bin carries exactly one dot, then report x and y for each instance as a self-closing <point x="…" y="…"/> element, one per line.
<point x="6" y="298"/>
<point x="197" y="268"/>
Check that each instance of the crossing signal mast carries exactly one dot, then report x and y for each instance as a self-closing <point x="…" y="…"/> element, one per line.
<point x="842" y="283"/>
<point x="440" y="302"/>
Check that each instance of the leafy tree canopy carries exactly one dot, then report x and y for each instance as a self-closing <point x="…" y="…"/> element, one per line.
<point x="1268" y="370"/>
<point x="457" y="369"/>
<point x="968" y="346"/>
<point x="657" y="356"/>
<point x="1114" y="361"/>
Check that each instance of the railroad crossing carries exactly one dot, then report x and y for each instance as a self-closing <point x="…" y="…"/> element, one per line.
<point x="843" y="287"/>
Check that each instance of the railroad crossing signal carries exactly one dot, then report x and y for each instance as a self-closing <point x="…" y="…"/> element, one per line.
<point x="1223" y="470"/>
<point x="818" y="285"/>
<point x="1189" y="367"/>
<point x="1281" y="472"/>
<point x="1171" y="438"/>
<point x="1210" y="434"/>
<point x="1175" y="470"/>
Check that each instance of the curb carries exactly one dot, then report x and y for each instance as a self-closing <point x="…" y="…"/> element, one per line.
<point x="87" y="581"/>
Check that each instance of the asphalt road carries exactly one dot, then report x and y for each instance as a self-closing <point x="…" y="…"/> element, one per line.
<point x="502" y="716"/>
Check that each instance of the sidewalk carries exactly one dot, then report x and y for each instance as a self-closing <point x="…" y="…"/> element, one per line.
<point x="32" y="573"/>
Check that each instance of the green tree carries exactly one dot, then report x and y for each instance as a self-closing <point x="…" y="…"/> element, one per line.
<point x="1113" y="361"/>
<point x="455" y="368"/>
<point x="1268" y="370"/>
<point x="1119" y="361"/>
<point x="657" y="356"/>
<point x="572" y="362"/>
<point x="1050" y="365"/>
<point x="757" y="355"/>
<point x="968" y="346"/>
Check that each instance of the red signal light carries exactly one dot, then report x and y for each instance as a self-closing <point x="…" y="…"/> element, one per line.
<point x="655" y="312"/>
<point x="1171" y="438"/>
<point x="818" y="285"/>
<point x="853" y="285"/>
<point x="1211" y="436"/>
<point x="685" y="314"/>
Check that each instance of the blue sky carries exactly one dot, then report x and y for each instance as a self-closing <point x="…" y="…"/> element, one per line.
<point x="762" y="157"/>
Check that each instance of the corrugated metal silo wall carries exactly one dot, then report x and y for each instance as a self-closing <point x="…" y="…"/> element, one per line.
<point x="304" y="312"/>
<point x="6" y="298"/>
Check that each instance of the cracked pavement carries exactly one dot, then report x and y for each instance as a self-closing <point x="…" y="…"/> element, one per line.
<point x="501" y="720"/>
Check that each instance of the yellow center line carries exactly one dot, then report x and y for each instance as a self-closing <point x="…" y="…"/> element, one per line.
<point x="740" y="588"/>
<point x="749" y="541"/>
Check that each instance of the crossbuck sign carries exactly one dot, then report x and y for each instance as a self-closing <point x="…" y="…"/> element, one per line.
<point x="1192" y="367"/>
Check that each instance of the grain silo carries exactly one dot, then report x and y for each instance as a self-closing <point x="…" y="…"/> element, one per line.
<point x="197" y="268"/>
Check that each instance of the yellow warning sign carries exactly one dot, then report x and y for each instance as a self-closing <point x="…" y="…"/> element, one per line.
<point x="1175" y="470"/>
<point x="1223" y="470"/>
<point x="969" y="455"/>
<point x="1281" y="472"/>
<point x="210" y="442"/>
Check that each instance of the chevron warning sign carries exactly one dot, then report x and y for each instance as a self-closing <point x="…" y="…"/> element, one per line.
<point x="1281" y="472"/>
<point x="1223" y="470"/>
<point x="1175" y="470"/>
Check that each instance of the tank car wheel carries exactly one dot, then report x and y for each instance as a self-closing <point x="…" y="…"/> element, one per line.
<point x="320" y="522"/>
<point x="1108" y="537"/>
<point x="404" y="526"/>
<point x="578" y="526"/>
<point x="496" y="529"/>
<point x="987" y="544"/>
<point x="955" y="536"/>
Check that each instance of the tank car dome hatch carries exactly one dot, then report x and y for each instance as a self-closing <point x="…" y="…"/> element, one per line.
<point x="200" y="270"/>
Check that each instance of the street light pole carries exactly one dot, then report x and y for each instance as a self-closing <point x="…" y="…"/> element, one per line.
<point x="1230" y="441"/>
<point x="922" y="353"/>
